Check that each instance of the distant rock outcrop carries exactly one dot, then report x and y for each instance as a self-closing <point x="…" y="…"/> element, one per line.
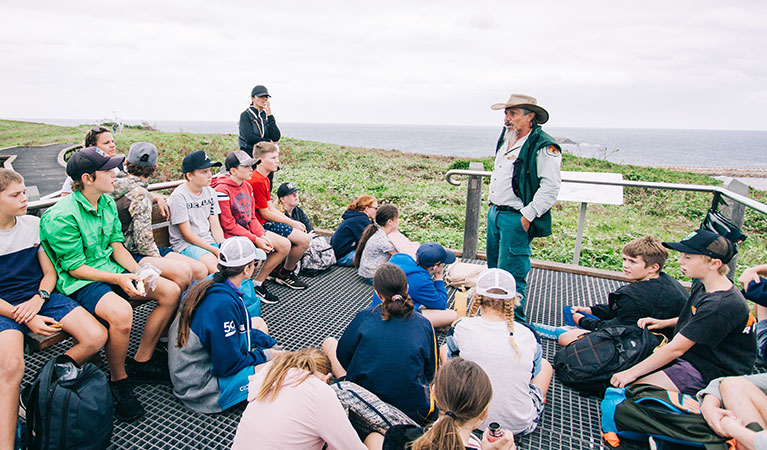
<point x="564" y="140"/>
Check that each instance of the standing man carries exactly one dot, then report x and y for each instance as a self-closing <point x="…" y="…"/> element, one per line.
<point x="524" y="186"/>
<point x="257" y="122"/>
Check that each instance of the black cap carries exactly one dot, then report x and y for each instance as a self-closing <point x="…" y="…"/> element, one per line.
<point x="704" y="242"/>
<point x="198" y="159"/>
<point x="286" y="189"/>
<point x="90" y="160"/>
<point x="260" y="91"/>
<point x="238" y="158"/>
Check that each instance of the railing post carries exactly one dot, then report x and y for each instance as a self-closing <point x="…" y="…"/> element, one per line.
<point x="473" y="207"/>
<point x="736" y="212"/>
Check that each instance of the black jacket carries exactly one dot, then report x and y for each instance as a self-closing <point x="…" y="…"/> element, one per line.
<point x="255" y="127"/>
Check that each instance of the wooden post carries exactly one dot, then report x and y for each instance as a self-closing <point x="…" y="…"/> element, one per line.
<point x="473" y="208"/>
<point x="735" y="212"/>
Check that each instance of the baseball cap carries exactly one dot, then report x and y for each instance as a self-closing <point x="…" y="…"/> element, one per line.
<point x="704" y="242"/>
<point x="142" y="154"/>
<point x="260" y="91"/>
<point x="198" y="159"/>
<point x="239" y="251"/>
<point x="286" y="189"/>
<point x="238" y="158"/>
<point x="90" y="160"/>
<point x="496" y="279"/>
<point x="431" y="253"/>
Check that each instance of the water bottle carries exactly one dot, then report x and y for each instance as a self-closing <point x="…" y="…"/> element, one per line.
<point x="495" y="432"/>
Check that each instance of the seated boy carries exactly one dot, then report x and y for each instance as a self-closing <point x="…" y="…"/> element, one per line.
<point x="83" y="237"/>
<point x="194" y="229"/>
<point x="713" y="334"/>
<point x="737" y="407"/>
<point x="238" y="217"/>
<point x="272" y="220"/>
<point x="652" y="292"/>
<point x="28" y="301"/>
<point x="134" y="207"/>
<point x="755" y="289"/>
<point x="287" y="203"/>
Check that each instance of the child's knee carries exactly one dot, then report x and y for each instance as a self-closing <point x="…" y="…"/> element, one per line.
<point x="11" y="367"/>
<point x="329" y="346"/>
<point x="300" y="239"/>
<point x="199" y="270"/>
<point x="166" y="293"/>
<point x="281" y="244"/>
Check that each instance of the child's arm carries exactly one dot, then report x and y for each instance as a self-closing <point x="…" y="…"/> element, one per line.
<point x="215" y="228"/>
<point x="189" y="236"/>
<point x="752" y="274"/>
<point x="664" y="355"/>
<point x="122" y="256"/>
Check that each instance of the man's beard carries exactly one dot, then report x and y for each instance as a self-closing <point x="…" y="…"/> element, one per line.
<point x="511" y="133"/>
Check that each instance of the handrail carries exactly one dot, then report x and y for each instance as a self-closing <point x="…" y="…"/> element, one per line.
<point x="46" y="202"/>
<point x="751" y="203"/>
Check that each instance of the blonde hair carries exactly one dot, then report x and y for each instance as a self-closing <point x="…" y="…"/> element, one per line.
<point x="505" y="306"/>
<point x="262" y="148"/>
<point x="723" y="270"/>
<point x="310" y="360"/>
<point x="8" y="177"/>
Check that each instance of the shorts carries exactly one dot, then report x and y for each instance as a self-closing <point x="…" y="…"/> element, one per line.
<point x="163" y="252"/>
<point x="684" y="376"/>
<point x="538" y="403"/>
<point x="56" y="308"/>
<point x="761" y="340"/>
<point x="280" y="228"/>
<point x="196" y="252"/>
<point x="347" y="260"/>
<point x="89" y="296"/>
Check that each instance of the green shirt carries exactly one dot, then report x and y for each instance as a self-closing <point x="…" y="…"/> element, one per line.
<point x="74" y="233"/>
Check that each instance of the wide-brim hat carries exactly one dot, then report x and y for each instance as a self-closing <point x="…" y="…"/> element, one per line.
<point x="527" y="102"/>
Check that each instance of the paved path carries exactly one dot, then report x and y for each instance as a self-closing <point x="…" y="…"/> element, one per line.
<point x="38" y="166"/>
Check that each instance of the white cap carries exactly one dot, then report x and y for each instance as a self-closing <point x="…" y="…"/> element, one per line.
<point x="492" y="279"/>
<point x="239" y="251"/>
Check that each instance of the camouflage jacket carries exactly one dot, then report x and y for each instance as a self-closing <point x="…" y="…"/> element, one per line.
<point x="134" y="206"/>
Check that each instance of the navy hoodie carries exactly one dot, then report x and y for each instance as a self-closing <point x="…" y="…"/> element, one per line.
<point x="347" y="235"/>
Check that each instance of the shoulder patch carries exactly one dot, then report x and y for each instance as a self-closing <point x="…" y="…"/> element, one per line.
<point x="553" y="151"/>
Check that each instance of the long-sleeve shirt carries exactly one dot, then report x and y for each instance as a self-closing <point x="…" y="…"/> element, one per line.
<point x="256" y="126"/>
<point x="421" y="288"/>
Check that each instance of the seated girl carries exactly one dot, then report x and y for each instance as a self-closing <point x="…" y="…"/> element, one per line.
<point x="375" y="248"/>
<point x="507" y="351"/>
<point x="388" y="349"/>
<point x="291" y="406"/>
<point x="358" y="215"/>
<point x="214" y="345"/>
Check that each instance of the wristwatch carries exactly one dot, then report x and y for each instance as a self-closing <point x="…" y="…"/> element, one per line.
<point x="45" y="295"/>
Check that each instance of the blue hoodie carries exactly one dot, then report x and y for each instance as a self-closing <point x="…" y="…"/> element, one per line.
<point x="421" y="289"/>
<point x="210" y="373"/>
<point x="347" y="235"/>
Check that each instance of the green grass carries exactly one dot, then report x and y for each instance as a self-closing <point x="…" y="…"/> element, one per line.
<point x="330" y="176"/>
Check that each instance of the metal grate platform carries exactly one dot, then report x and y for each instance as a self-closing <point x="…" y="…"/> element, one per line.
<point x="305" y="318"/>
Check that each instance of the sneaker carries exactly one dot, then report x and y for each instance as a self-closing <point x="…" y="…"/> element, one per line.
<point x="127" y="406"/>
<point x="291" y="281"/>
<point x="274" y="274"/>
<point x="266" y="296"/>
<point x="152" y="371"/>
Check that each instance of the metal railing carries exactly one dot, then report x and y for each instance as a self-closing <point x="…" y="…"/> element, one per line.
<point x="51" y="199"/>
<point x="735" y="191"/>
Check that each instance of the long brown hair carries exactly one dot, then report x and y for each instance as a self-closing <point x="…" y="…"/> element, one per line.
<point x="362" y="202"/>
<point x="196" y="294"/>
<point x="463" y="392"/>
<point x="505" y="307"/>
<point x="310" y="360"/>
<point x="390" y="282"/>
<point x="384" y="214"/>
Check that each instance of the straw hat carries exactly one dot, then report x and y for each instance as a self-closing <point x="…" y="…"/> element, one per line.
<point x="527" y="102"/>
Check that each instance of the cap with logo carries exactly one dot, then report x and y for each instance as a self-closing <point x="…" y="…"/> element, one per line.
<point x="496" y="280"/>
<point x="704" y="242"/>
<point x="431" y="253"/>
<point x="90" y="160"/>
<point x="286" y="189"/>
<point x="260" y="91"/>
<point x="198" y="159"/>
<point x="239" y="251"/>
<point x="142" y="154"/>
<point x="238" y="158"/>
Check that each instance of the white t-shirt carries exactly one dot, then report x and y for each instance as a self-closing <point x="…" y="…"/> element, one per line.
<point x="376" y="252"/>
<point x="195" y="209"/>
<point x="487" y="344"/>
<point x="25" y="234"/>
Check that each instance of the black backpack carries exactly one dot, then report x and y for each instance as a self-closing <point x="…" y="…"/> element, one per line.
<point x="588" y="363"/>
<point x="69" y="407"/>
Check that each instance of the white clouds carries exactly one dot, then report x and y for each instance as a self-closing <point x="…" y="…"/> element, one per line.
<point x="591" y="63"/>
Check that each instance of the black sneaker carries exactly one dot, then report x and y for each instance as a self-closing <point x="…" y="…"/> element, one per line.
<point x="291" y="281"/>
<point x="127" y="406"/>
<point x="152" y="371"/>
<point x="274" y="274"/>
<point x="266" y="296"/>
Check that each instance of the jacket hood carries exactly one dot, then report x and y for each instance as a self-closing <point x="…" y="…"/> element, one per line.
<point x="406" y="263"/>
<point x="224" y="181"/>
<point x="348" y="214"/>
<point x="125" y="183"/>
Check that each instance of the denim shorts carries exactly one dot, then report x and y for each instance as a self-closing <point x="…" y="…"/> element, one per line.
<point x="163" y="252"/>
<point x="56" y="308"/>
<point x="539" y="401"/>
<point x="196" y="252"/>
<point x="280" y="228"/>
<point x="89" y="296"/>
<point x="347" y="260"/>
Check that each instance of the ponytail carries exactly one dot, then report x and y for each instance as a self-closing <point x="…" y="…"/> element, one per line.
<point x="384" y="214"/>
<point x="366" y="235"/>
<point x="310" y="360"/>
<point x="390" y="282"/>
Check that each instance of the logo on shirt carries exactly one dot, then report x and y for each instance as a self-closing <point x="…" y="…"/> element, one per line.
<point x="693" y="309"/>
<point x="241" y="208"/>
<point x="552" y="151"/>
<point x="229" y="328"/>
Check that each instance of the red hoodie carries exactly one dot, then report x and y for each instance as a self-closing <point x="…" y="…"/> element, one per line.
<point x="238" y="212"/>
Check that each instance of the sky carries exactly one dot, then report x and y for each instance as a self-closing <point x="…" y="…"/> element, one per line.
<point x="695" y="64"/>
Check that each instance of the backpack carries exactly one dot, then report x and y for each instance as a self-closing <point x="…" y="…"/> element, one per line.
<point x="588" y="363"/>
<point x="366" y="411"/>
<point x="641" y="411"/>
<point x="69" y="407"/>
<point x="717" y="222"/>
<point x="318" y="258"/>
<point x="463" y="274"/>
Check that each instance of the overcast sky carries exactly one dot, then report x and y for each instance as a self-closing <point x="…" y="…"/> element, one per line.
<point x="654" y="64"/>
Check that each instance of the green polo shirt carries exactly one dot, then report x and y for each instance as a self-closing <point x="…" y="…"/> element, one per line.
<point x="74" y="233"/>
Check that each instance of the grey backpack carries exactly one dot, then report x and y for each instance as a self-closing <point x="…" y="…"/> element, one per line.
<point x="318" y="258"/>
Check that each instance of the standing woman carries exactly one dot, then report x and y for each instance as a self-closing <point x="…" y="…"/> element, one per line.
<point x="257" y="122"/>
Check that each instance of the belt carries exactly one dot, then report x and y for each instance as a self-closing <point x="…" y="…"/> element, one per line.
<point x="505" y="208"/>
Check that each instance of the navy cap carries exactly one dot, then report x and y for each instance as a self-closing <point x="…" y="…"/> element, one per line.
<point x="142" y="154"/>
<point x="286" y="189"/>
<point x="431" y="253"/>
<point x="198" y="159"/>
<point x="260" y="91"/>
<point x="90" y="160"/>
<point x="704" y="242"/>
